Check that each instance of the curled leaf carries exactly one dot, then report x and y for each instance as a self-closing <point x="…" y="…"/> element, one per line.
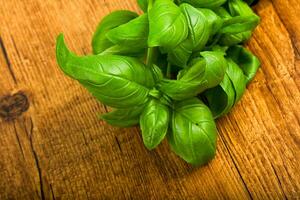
<point x="207" y="72"/>
<point x="246" y="61"/>
<point x="205" y="3"/>
<point x="100" y="42"/>
<point x="223" y="97"/>
<point x="133" y="34"/>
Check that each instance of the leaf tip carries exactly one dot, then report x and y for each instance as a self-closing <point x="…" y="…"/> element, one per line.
<point x="62" y="51"/>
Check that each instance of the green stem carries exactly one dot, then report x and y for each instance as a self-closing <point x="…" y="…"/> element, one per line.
<point x="150" y="55"/>
<point x="151" y="50"/>
<point x="150" y="4"/>
<point x="168" y="74"/>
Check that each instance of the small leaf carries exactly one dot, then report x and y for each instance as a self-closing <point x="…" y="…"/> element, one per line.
<point x="205" y="3"/>
<point x="207" y="72"/>
<point x="194" y="133"/>
<point x="123" y="117"/>
<point x="167" y="25"/>
<point x="154" y="123"/>
<point x="133" y="34"/>
<point x="222" y="98"/>
<point x="116" y="81"/>
<point x="246" y="61"/>
<point x="100" y="42"/>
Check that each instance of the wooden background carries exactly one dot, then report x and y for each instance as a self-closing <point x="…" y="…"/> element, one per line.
<point x="52" y="146"/>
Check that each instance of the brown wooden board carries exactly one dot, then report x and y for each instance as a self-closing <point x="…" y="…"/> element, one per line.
<point x="52" y="145"/>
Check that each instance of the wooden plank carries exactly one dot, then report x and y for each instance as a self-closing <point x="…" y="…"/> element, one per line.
<point x="59" y="149"/>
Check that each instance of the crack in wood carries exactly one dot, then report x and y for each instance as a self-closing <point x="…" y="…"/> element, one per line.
<point x="52" y="192"/>
<point x="36" y="159"/>
<point x="118" y="143"/>
<point x="280" y="184"/>
<point x="236" y="167"/>
<point x="7" y="61"/>
<point x="18" y="140"/>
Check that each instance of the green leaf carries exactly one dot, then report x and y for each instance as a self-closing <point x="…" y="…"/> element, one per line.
<point x="116" y="81"/>
<point x="133" y="34"/>
<point x="154" y="123"/>
<point x="194" y="133"/>
<point x="124" y="117"/>
<point x="199" y="32"/>
<point x="167" y="25"/>
<point x="207" y="72"/>
<point x="240" y="23"/>
<point x="214" y="21"/>
<point x="237" y="78"/>
<point x="222" y="98"/>
<point x="205" y="3"/>
<point x="246" y="61"/>
<point x="100" y="42"/>
<point x="143" y="4"/>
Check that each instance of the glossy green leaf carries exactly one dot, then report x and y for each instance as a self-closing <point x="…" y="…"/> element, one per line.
<point x="124" y="117"/>
<point x="222" y="98"/>
<point x="133" y="34"/>
<point x="199" y="33"/>
<point x="167" y="25"/>
<point x="154" y="123"/>
<point x="214" y="21"/>
<point x="116" y="81"/>
<point x="194" y="135"/>
<point x="246" y="61"/>
<point x="240" y="22"/>
<point x="207" y="72"/>
<point x="100" y="42"/>
<point x="237" y="79"/>
<point x="205" y="3"/>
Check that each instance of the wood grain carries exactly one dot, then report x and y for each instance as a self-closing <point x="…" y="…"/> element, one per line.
<point x="58" y="149"/>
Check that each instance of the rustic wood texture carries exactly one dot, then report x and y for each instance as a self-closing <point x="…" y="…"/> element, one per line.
<point x="52" y="146"/>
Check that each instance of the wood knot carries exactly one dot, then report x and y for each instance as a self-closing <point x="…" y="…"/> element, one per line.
<point x="12" y="106"/>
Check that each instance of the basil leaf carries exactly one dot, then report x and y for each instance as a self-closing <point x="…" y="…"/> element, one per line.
<point x="214" y="21"/>
<point x="129" y="79"/>
<point x="167" y="25"/>
<point x="199" y="32"/>
<point x="240" y="23"/>
<point x="205" y="3"/>
<point x="207" y="72"/>
<point x="222" y="98"/>
<point x="237" y="78"/>
<point x="154" y="123"/>
<point x="114" y="19"/>
<point x="246" y="61"/>
<point x="124" y="117"/>
<point x="133" y="34"/>
<point x="143" y="4"/>
<point x="194" y="133"/>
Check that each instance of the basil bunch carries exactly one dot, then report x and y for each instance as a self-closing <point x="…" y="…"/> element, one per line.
<point x="173" y="70"/>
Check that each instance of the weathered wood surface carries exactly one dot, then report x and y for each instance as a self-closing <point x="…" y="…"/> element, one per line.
<point x="58" y="149"/>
